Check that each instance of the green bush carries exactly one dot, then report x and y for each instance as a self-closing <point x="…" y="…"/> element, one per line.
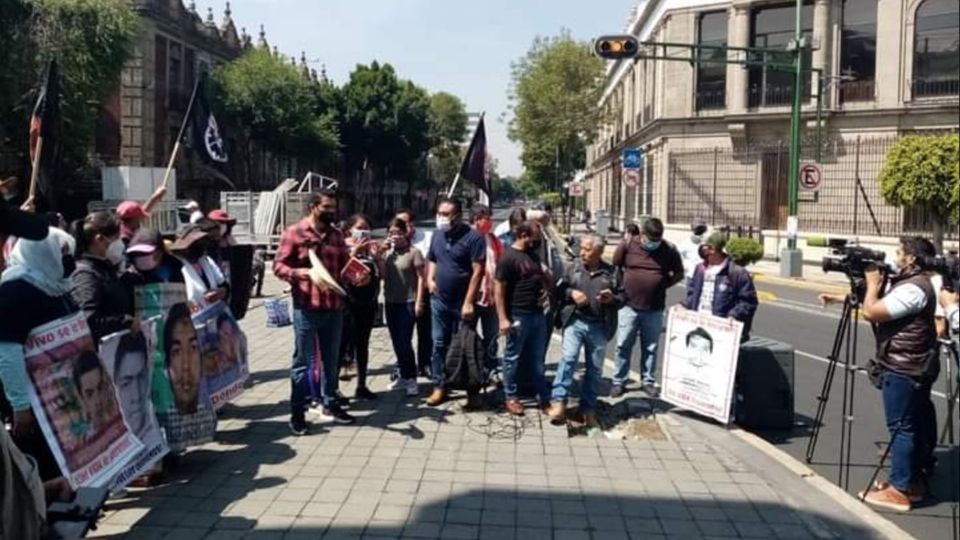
<point x="553" y="198"/>
<point x="744" y="251"/>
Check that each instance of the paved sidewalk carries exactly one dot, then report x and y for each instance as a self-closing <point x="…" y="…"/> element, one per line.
<point x="406" y="470"/>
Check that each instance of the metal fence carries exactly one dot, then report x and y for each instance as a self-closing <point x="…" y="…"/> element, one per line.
<point x="748" y="187"/>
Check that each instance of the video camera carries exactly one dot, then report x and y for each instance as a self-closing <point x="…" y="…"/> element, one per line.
<point x="854" y="261"/>
<point x="947" y="266"/>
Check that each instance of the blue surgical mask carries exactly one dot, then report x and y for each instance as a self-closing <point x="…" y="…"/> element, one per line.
<point x="651" y="246"/>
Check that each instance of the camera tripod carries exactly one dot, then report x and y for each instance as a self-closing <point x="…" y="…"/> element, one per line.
<point x="844" y="343"/>
<point x="949" y="349"/>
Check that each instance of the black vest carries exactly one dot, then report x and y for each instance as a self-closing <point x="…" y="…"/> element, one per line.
<point x="909" y="345"/>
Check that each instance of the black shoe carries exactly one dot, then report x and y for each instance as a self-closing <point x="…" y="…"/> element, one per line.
<point x="423" y="373"/>
<point x="364" y="393"/>
<point x="298" y="426"/>
<point x="651" y="390"/>
<point x="338" y="415"/>
<point x="617" y="390"/>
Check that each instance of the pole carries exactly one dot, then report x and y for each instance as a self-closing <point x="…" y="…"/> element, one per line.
<point x="456" y="179"/>
<point x="792" y="260"/>
<point x="183" y="127"/>
<point x="35" y="172"/>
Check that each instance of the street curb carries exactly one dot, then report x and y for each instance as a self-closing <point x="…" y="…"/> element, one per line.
<point x="879" y="523"/>
<point x="799" y="283"/>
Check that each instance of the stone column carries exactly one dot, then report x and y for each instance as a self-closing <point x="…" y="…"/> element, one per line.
<point x="738" y="35"/>
<point x="822" y="37"/>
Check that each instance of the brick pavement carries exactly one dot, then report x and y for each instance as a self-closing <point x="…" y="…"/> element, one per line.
<point x="409" y="471"/>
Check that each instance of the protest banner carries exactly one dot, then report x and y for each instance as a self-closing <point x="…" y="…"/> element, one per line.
<point x="700" y="362"/>
<point x="128" y="359"/>
<point x="181" y="404"/>
<point x="223" y="350"/>
<point x="75" y="403"/>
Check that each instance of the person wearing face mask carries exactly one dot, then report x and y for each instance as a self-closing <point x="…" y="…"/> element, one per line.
<point x="721" y="287"/>
<point x="420" y="240"/>
<point x="362" y="299"/>
<point x="132" y="214"/>
<point x="456" y="262"/>
<point x="203" y="278"/>
<point x="906" y="366"/>
<point x="34" y="290"/>
<point x="148" y="261"/>
<point x="105" y="299"/>
<point x="486" y="310"/>
<point x="317" y="307"/>
<point x="649" y="266"/>
<point x="404" y="287"/>
<point x="690" y="250"/>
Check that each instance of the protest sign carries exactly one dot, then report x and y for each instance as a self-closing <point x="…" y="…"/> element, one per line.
<point x="182" y="406"/>
<point x="128" y="359"/>
<point x="700" y="362"/>
<point x="75" y="403"/>
<point x="223" y="350"/>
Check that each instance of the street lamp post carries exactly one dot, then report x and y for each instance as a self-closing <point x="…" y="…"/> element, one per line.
<point x="791" y="258"/>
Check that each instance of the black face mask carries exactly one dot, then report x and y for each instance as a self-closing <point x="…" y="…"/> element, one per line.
<point x="326" y="217"/>
<point x="69" y="265"/>
<point x="194" y="253"/>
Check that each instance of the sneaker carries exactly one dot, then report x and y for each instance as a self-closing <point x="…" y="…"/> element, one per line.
<point x="558" y="412"/>
<point x="398" y="384"/>
<point x="342" y="400"/>
<point x="886" y="496"/>
<point x="617" y="390"/>
<point x="338" y="415"/>
<point x="651" y="390"/>
<point x="364" y="393"/>
<point x="438" y="396"/>
<point x="514" y="407"/>
<point x="411" y="387"/>
<point x="298" y="426"/>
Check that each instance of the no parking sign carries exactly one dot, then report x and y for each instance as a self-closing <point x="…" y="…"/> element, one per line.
<point x="811" y="176"/>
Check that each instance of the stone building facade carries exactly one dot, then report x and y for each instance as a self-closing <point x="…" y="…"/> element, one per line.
<point x="715" y="135"/>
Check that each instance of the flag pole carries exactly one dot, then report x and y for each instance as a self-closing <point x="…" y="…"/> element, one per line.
<point x="456" y="179"/>
<point x="183" y="127"/>
<point x="35" y="173"/>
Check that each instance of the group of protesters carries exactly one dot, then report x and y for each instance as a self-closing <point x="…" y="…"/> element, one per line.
<point x="512" y="284"/>
<point x="92" y="267"/>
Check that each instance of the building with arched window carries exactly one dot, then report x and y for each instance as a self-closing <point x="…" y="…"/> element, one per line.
<point x="716" y="135"/>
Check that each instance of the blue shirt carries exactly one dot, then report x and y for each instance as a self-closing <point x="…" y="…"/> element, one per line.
<point x="454" y="252"/>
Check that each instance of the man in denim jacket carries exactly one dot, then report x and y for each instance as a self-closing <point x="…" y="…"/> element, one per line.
<point x="721" y="287"/>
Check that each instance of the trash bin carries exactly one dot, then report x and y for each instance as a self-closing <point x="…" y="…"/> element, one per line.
<point x="603" y="221"/>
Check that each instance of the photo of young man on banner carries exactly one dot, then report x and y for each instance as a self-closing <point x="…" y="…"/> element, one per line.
<point x="223" y="349"/>
<point x="75" y="402"/>
<point x="182" y="405"/>
<point x="128" y="359"/>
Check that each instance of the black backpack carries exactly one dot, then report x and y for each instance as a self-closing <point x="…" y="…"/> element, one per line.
<point x="465" y="367"/>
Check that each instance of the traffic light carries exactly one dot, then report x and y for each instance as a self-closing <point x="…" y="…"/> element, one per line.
<point x="616" y="47"/>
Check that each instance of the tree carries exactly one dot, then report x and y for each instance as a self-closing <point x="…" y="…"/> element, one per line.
<point x="554" y="93"/>
<point x="505" y="189"/>
<point x="448" y="132"/>
<point x="922" y="173"/>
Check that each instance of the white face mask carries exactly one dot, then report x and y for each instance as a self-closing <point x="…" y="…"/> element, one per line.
<point x="443" y="223"/>
<point x="115" y="252"/>
<point x="359" y="235"/>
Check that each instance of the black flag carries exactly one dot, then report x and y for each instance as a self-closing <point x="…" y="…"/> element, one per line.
<point x="474" y="166"/>
<point x="205" y="135"/>
<point x="46" y="112"/>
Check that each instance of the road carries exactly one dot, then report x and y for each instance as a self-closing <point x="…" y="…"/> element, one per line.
<point x="792" y="315"/>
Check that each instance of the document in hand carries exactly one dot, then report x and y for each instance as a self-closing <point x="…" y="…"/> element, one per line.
<point x="321" y="277"/>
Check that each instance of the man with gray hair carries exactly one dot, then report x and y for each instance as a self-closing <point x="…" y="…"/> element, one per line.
<point x="591" y="294"/>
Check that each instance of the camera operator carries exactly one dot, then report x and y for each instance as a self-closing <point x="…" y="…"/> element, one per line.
<point x="906" y="366"/>
<point x="950" y="302"/>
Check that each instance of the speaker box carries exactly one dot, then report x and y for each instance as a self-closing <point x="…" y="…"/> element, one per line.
<point x="764" y="385"/>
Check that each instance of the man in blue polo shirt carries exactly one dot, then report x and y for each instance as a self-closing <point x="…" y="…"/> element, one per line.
<point x="455" y="267"/>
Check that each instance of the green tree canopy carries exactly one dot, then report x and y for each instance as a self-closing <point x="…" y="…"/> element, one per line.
<point x="554" y="93"/>
<point x="448" y="132"/>
<point x="922" y="173"/>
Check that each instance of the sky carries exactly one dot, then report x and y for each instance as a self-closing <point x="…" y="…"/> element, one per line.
<point x="458" y="46"/>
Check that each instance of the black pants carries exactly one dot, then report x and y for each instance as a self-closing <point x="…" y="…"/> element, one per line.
<point x="424" y="336"/>
<point x="358" y="324"/>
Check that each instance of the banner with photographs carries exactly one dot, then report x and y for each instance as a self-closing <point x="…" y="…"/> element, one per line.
<point x="223" y="350"/>
<point x="700" y="362"/>
<point x="128" y="358"/>
<point x="75" y="403"/>
<point x="182" y="405"/>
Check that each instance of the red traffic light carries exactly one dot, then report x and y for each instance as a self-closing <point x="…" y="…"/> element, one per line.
<point x="616" y="47"/>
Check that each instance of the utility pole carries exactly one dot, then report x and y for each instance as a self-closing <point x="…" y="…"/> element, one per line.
<point x="791" y="259"/>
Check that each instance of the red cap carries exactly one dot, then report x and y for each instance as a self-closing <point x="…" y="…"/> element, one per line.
<point x="130" y="210"/>
<point x="221" y="216"/>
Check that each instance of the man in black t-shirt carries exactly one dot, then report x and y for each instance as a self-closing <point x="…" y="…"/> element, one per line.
<point x="521" y="280"/>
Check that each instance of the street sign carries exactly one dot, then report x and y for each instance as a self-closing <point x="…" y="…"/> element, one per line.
<point x="575" y="189"/>
<point x="631" y="177"/>
<point x="811" y="176"/>
<point x="632" y="158"/>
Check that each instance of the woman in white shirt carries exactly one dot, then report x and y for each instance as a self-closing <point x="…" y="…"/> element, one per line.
<point x="204" y="280"/>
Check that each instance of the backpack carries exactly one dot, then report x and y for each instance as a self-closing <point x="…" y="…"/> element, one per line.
<point x="465" y="367"/>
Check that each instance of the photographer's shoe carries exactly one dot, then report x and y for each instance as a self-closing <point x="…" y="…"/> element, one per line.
<point x="886" y="496"/>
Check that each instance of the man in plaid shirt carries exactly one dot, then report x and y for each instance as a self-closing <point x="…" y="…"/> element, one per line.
<point x="317" y="310"/>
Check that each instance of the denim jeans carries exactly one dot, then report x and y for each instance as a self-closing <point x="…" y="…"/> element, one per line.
<point x="905" y="404"/>
<point x="648" y="325"/>
<point x="526" y="345"/>
<point x="445" y="321"/>
<point x="588" y="335"/>
<point x="317" y="340"/>
<point x="400" y="322"/>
